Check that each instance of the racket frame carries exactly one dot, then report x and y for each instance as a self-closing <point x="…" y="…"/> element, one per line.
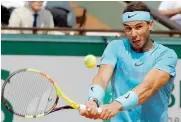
<point x="59" y="93"/>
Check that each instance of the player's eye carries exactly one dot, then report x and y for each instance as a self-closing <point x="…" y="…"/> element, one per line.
<point x="139" y="27"/>
<point x="127" y="29"/>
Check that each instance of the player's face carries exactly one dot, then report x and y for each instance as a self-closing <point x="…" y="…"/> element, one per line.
<point x="138" y="33"/>
<point x="36" y="5"/>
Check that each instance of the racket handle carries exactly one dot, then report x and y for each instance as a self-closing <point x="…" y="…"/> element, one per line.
<point x="83" y="107"/>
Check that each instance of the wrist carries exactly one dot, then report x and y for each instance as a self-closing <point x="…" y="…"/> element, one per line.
<point x="118" y="105"/>
<point x="97" y="92"/>
<point x="129" y="100"/>
<point x="95" y="101"/>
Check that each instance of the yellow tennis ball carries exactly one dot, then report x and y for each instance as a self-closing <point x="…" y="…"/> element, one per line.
<point x="90" y="61"/>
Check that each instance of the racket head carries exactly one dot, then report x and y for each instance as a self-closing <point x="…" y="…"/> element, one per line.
<point x="25" y="92"/>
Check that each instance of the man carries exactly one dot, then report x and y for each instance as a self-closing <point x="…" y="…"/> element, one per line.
<point x="141" y="73"/>
<point x="63" y="13"/>
<point x="6" y="9"/>
<point x="171" y="9"/>
<point x="31" y="15"/>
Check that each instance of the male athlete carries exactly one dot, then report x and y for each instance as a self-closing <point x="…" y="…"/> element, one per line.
<point x="141" y="72"/>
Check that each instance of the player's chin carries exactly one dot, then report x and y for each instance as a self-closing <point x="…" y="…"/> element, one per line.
<point x="137" y="46"/>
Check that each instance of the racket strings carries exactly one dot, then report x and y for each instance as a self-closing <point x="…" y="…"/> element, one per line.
<point x="13" y="93"/>
<point x="47" y="108"/>
<point x="30" y="93"/>
<point x="42" y="88"/>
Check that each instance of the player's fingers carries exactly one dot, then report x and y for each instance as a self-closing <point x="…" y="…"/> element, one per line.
<point x="90" y="110"/>
<point x="106" y="115"/>
<point x="112" y="114"/>
<point x="88" y="115"/>
<point x="96" y="116"/>
<point x="82" y="112"/>
<point x="94" y="113"/>
<point x="102" y="114"/>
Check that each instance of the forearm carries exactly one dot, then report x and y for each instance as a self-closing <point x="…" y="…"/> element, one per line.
<point x="103" y="76"/>
<point x="99" y="83"/>
<point x="171" y="13"/>
<point x="144" y="92"/>
<point x="154" y="80"/>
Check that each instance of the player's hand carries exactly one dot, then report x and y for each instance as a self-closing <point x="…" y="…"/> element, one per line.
<point x="91" y="111"/>
<point x="110" y="110"/>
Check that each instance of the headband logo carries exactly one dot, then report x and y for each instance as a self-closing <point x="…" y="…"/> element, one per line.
<point x="129" y="16"/>
<point x="136" y="16"/>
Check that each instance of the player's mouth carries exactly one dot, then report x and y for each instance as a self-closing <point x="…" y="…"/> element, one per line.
<point x="136" y="42"/>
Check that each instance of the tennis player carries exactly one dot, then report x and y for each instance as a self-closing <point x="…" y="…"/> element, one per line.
<point x="141" y="72"/>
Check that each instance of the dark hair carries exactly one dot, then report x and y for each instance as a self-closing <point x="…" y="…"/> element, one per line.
<point x="136" y="6"/>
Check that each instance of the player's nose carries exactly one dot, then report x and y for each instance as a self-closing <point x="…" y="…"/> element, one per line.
<point x="133" y="34"/>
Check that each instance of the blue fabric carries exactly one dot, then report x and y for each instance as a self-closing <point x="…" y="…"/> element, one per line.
<point x="136" y="16"/>
<point x="130" y="68"/>
<point x="129" y="100"/>
<point x="96" y="91"/>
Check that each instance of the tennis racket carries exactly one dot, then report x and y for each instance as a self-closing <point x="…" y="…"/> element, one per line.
<point x="30" y="93"/>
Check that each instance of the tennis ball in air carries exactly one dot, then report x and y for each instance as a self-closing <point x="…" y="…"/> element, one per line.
<point x="90" y="61"/>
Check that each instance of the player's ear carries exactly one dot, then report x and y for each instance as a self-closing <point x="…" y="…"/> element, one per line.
<point x="151" y="25"/>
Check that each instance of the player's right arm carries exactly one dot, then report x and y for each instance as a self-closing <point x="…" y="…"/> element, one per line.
<point x="103" y="76"/>
<point x="100" y="81"/>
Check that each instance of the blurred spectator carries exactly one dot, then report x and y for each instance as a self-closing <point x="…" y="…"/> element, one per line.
<point x="6" y="9"/>
<point x="31" y="15"/>
<point x="171" y="9"/>
<point x="63" y="13"/>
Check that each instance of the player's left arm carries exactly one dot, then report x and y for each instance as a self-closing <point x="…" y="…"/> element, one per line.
<point x="156" y="78"/>
<point x="153" y="81"/>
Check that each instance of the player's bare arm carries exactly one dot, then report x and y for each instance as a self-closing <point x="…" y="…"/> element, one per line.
<point x="103" y="76"/>
<point x="99" y="81"/>
<point x="153" y="81"/>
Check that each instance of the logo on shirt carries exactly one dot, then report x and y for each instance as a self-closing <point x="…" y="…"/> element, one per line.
<point x="127" y="96"/>
<point x="92" y="88"/>
<point x="136" y="64"/>
<point x="129" y="16"/>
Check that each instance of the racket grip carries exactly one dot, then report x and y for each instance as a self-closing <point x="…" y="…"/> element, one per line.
<point x="83" y="107"/>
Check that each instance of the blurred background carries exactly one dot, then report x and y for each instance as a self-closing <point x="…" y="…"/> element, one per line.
<point x="55" y="36"/>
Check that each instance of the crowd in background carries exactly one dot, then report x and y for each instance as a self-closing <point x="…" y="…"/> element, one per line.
<point x="49" y="15"/>
<point x="37" y="14"/>
<point x="171" y="9"/>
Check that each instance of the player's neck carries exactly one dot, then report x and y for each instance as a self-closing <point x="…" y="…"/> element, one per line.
<point x="146" y="47"/>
